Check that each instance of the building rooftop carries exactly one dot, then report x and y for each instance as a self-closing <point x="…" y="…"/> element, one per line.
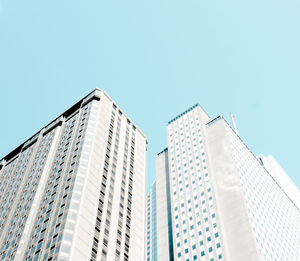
<point x="95" y="94"/>
<point x="181" y="114"/>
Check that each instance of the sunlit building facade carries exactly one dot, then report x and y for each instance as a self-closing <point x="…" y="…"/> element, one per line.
<point x="76" y="189"/>
<point x="224" y="203"/>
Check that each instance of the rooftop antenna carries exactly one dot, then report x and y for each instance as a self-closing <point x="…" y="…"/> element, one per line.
<point x="234" y="125"/>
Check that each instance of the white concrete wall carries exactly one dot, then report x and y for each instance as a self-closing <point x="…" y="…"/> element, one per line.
<point x="87" y="188"/>
<point x="88" y="180"/>
<point x="232" y="216"/>
<point x="137" y="236"/>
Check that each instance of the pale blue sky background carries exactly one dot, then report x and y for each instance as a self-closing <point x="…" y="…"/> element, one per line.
<point x="155" y="59"/>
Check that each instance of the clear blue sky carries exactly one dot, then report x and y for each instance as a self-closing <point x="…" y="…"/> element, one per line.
<point x="155" y="59"/>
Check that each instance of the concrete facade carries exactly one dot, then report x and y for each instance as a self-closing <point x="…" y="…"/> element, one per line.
<point x="225" y="203"/>
<point x="232" y="216"/>
<point x="76" y="189"/>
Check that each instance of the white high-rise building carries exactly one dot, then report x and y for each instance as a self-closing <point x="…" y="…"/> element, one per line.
<point x="224" y="204"/>
<point x="76" y="189"/>
<point x="159" y="244"/>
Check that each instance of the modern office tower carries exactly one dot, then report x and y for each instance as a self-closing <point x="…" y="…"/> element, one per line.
<point x="159" y="216"/>
<point x="224" y="204"/>
<point x="151" y="229"/>
<point x="76" y="189"/>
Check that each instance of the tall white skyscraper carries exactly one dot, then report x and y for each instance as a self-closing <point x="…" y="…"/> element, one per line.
<point x="76" y="189"/>
<point x="224" y="203"/>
